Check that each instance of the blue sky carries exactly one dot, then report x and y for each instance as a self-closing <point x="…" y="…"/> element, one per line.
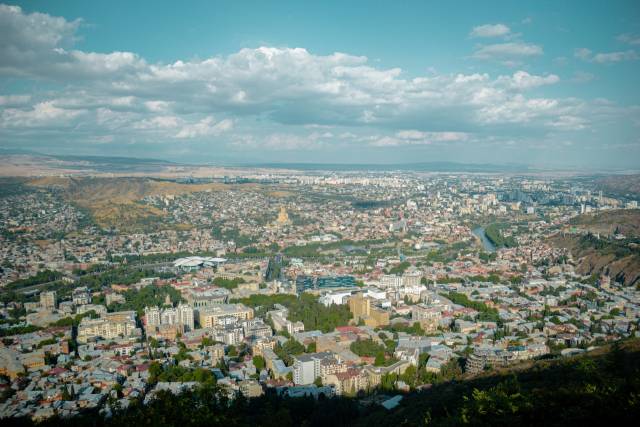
<point x="553" y="84"/>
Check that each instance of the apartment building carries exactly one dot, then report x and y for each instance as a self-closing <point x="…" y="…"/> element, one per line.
<point x="112" y="325"/>
<point x="48" y="300"/>
<point x="209" y="317"/>
<point x="308" y="367"/>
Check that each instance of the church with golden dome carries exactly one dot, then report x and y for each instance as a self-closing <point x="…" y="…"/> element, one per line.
<point x="283" y="217"/>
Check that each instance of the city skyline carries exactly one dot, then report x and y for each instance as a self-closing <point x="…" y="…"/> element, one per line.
<point x="537" y="84"/>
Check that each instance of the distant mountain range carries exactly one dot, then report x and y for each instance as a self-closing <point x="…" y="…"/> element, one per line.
<point x="417" y="167"/>
<point x="91" y="159"/>
<point x="121" y="164"/>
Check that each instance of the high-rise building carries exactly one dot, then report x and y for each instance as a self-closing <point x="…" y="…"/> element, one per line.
<point x="185" y="316"/>
<point x="168" y="316"/>
<point x="152" y="316"/>
<point x="181" y="315"/>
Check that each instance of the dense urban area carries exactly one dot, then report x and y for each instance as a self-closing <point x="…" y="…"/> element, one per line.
<point x="370" y="286"/>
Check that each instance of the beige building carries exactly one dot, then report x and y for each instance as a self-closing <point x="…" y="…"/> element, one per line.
<point x="33" y="360"/>
<point x="112" y="325"/>
<point x="217" y="315"/>
<point x="250" y="388"/>
<point x="48" y="300"/>
<point x="216" y="353"/>
<point x="428" y="317"/>
<point x="10" y="366"/>
<point x="349" y="381"/>
<point x="362" y="309"/>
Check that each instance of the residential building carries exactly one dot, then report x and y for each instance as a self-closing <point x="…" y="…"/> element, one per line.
<point x="48" y="300"/>
<point x="113" y="325"/>
<point x="214" y="315"/>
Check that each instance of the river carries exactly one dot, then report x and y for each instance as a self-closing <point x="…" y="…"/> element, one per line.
<point x="486" y="243"/>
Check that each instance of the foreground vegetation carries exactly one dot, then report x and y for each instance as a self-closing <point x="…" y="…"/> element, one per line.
<point x="583" y="390"/>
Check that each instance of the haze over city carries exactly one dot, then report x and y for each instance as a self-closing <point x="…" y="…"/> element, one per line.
<point x="536" y="83"/>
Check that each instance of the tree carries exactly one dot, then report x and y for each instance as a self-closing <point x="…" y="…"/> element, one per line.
<point x="289" y="349"/>
<point x="117" y="387"/>
<point x="367" y="348"/>
<point x="232" y="351"/>
<point x="259" y="362"/>
<point x="66" y="395"/>
<point x="388" y="381"/>
<point x="409" y="376"/>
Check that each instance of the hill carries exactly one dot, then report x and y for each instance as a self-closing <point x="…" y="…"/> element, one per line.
<point x="623" y="221"/>
<point x="607" y="242"/>
<point x="619" y="185"/>
<point x="113" y="202"/>
<point x="593" y="388"/>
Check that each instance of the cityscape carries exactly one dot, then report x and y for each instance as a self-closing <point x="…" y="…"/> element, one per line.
<point x="150" y="288"/>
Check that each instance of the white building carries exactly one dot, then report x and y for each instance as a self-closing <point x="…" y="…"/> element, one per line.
<point x="337" y="298"/>
<point x="308" y="367"/>
<point x="181" y="315"/>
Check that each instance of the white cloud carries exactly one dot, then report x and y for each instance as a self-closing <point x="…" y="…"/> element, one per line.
<point x="519" y="109"/>
<point x="605" y="57"/>
<point x="272" y="91"/>
<point x="582" y="53"/>
<point x="490" y="30"/>
<point x="582" y="77"/>
<point x="277" y="141"/>
<point x="205" y="127"/>
<point x="632" y="39"/>
<point x="157" y="106"/>
<point x="521" y="80"/>
<point x="416" y="137"/>
<point x="568" y="123"/>
<point x="14" y="100"/>
<point x="158" y="122"/>
<point x="24" y="38"/>
<point x="505" y="51"/>
<point x="42" y="114"/>
<point x="602" y="58"/>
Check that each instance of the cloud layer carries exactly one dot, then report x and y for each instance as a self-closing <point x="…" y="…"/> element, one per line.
<point x="273" y="98"/>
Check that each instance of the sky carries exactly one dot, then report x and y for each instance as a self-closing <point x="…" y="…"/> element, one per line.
<point x="542" y="83"/>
